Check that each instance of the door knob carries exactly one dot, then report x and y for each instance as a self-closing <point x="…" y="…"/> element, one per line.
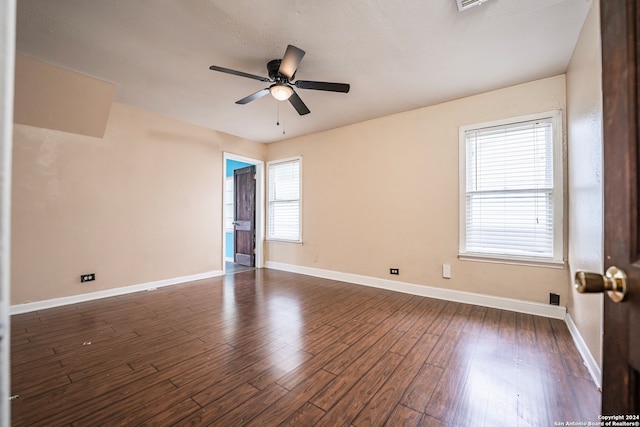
<point x="614" y="282"/>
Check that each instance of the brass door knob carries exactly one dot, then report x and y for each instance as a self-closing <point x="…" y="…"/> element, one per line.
<point x="614" y="282"/>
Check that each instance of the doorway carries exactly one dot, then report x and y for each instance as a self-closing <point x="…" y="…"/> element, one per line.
<point x="232" y="163"/>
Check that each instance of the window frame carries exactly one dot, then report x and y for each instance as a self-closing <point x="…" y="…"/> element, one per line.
<point x="557" y="259"/>
<point x="268" y="237"/>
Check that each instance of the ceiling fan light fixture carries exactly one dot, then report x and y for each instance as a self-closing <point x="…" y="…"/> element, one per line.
<point x="281" y="92"/>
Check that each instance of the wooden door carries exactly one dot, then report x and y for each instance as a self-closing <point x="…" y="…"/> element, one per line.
<point x="620" y="23"/>
<point x="244" y="230"/>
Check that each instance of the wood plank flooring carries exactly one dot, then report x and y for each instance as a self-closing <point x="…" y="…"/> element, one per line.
<point x="269" y="348"/>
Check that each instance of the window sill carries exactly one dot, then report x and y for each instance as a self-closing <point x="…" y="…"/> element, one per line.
<point x="297" y="242"/>
<point x="530" y="262"/>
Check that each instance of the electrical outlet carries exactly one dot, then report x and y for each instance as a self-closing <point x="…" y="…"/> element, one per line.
<point x="554" y="299"/>
<point x="87" y="277"/>
<point x="394" y="271"/>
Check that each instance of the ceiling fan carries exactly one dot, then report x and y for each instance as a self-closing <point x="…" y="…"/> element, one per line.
<point x="281" y="75"/>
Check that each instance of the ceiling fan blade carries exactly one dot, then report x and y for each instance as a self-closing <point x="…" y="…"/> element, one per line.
<point x="238" y="73"/>
<point x="331" y="87"/>
<point x="297" y="103"/>
<point x="253" y="96"/>
<point x="290" y="61"/>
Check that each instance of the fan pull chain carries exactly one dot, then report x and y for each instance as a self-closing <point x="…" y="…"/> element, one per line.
<point x="283" y="127"/>
<point x="278" y="117"/>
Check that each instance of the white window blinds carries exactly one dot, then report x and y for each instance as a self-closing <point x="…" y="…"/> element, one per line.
<point x="510" y="198"/>
<point x="283" y="205"/>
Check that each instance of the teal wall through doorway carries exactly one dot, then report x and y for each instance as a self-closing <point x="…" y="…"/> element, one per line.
<point x="232" y="165"/>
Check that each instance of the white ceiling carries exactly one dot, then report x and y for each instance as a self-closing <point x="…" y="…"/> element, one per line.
<point x="397" y="55"/>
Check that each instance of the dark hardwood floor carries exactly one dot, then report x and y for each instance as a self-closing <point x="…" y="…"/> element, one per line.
<point x="267" y="348"/>
<point x="232" y="268"/>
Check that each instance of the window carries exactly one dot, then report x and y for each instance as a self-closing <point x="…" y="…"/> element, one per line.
<point x="511" y="190"/>
<point x="283" y="203"/>
<point x="228" y="204"/>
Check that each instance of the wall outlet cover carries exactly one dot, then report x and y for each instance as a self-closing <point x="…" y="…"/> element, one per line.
<point x="87" y="277"/>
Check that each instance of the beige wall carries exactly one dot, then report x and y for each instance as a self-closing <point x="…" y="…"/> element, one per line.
<point x="584" y="107"/>
<point x="384" y="193"/>
<point x="54" y="98"/>
<point x="141" y="204"/>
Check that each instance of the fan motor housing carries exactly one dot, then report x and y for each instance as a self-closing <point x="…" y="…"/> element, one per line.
<point x="272" y="67"/>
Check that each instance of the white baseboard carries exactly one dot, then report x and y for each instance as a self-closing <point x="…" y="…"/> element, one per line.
<point x="57" y="302"/>
<point x="589" y="361"/>
<point x="553" y="311"/>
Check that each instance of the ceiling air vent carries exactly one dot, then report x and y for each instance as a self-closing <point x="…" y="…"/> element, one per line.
<point x="466" y="4"/>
